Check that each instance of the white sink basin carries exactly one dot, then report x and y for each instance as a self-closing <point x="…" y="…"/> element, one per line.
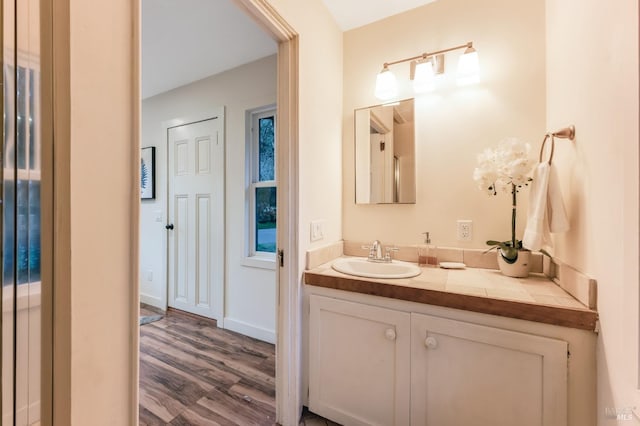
<point x="361" y="267"/>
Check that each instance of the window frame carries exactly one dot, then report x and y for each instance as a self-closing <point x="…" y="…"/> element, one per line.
<point x="253" y="257"/>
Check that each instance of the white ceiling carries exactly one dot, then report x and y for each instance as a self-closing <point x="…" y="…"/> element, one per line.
<point x="188" y="40"/>
<point x="356" y="13"/>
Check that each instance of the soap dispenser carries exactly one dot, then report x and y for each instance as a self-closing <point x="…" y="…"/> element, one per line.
<point x="427" y="253"/>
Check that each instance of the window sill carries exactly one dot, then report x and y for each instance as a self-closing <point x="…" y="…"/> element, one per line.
<point x="262" y="262"/>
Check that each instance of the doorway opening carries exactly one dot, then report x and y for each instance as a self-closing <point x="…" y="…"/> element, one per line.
<point x="208" y="233"/>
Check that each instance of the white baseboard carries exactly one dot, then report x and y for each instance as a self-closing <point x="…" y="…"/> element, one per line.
<point x="153" y="301"/>
<point x="250" y="330"/>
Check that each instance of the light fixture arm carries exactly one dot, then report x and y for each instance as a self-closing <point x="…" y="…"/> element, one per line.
<point x="428" y="54"/>
<point x="423" y="69"/>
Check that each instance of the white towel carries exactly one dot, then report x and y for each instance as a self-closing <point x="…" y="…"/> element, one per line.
<point x="546" y="209"/>
<point x="556" y="213"/>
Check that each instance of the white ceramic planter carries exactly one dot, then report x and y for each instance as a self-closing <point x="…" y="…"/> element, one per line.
<point x="518" y="269"/>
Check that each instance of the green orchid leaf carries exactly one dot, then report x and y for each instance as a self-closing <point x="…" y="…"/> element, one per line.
<point x="489" y="249"/>
<point x="509" y="253"/>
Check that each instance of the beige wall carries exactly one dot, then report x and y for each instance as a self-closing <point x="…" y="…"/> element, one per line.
<point x="103" y="187"/>
<point x="101" y="73"/>
<point x="453" y="124"/>
<point x="319" y="157"/>
<point x="320" y="112"/>
<point x="250" y="293"/>
<point x="592" y="68"/>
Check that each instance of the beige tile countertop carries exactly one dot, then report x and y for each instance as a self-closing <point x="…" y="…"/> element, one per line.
<point x="535" y="298"/>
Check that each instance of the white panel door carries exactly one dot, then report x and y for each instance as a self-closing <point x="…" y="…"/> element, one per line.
<point x="377" y="169"/>
<point x="472" y="375"/>
<point x="359" y="363"/>
<point x="196" y="216"/>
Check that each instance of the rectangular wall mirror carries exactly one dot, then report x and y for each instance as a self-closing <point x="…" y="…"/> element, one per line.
<point x="385" y="154"/>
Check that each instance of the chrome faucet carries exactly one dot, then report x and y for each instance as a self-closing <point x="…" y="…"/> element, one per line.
<point x="375" y="252"/>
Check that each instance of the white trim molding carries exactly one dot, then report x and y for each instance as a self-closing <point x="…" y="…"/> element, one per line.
<point x="154" y="301"/>
<point x="250" y="330"/>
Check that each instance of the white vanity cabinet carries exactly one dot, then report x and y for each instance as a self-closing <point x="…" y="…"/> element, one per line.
<point x="359" y="363"/>
<point x="371" y="365"/>
<point x="468" y="374"/>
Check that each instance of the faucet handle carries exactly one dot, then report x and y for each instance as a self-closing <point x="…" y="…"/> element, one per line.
<point x="388" y="251"/>
<point x="372" y="251"/>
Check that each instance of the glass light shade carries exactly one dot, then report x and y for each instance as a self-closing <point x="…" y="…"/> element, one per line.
<point x="386" y="85"/>
<point x="468" y="67"/>
<point x="424" y="78"/>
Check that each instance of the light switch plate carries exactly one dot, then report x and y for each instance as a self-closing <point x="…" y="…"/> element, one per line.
<point x="317" y="230"/>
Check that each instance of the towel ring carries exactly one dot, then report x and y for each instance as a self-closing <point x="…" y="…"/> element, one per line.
<point x="564" y="133"/>
<point x="553" y="147"/>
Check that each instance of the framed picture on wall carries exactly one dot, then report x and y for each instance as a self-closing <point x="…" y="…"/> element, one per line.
<point x="148" y="173"/>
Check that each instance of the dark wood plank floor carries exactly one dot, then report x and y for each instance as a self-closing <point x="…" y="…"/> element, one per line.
<point x="193" y="373"/>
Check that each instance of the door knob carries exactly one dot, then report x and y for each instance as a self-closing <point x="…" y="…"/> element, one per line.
<point x="390" y="334"/>
<point x="169" y="226"/>
<point x="431" y="343"/>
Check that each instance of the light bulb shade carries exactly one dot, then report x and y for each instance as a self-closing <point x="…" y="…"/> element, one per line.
<point x="424" y="78"/>
<point x="386" y="85"/>
<point x="468" y="67"/>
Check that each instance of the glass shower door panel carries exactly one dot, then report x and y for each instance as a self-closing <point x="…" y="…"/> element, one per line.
<point x="23" y="326"/>
<point x="8" y="212"/>
<point x="28" y="284"/>
<point x="22" y="321"/>
<point x="28" y="306"/>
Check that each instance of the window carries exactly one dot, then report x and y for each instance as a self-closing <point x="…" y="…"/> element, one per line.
<point x="261" y="164"/>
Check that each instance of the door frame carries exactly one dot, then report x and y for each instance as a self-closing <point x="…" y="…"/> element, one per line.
<point x="219" y="290"/>
<point x="288" y="276"/>
<point x="289" y="294"/>
<point x="289" y="309"/>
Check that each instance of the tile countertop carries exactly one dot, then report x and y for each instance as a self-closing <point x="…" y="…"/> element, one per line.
<point x="535" y="298"/>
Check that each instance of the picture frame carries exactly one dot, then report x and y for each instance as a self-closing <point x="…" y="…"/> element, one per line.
<point x="148" y="173"/>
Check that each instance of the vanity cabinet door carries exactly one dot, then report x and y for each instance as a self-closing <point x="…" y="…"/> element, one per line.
<point x="359" y="361"/>
<point x="467" y="374"/>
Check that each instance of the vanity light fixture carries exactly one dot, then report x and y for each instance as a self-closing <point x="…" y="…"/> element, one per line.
<point x="468" y="67"/>
<point x="424" y="69"/>
<point x="424" y="76"/>
<point x="386" y="84"/>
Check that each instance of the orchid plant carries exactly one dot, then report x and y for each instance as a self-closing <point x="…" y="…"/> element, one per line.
<point x="506" y="168"/>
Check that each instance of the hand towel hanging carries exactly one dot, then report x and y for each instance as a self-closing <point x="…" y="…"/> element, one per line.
<point x="546" y="211"/>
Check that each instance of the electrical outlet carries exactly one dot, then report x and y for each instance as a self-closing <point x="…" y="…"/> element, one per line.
<point x="149" y="275"/>
<point x="465" y="230"/>
<point x="317" y="230"/>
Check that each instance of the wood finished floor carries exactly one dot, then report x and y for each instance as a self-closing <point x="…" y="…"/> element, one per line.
<point x="193" y="373"/>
